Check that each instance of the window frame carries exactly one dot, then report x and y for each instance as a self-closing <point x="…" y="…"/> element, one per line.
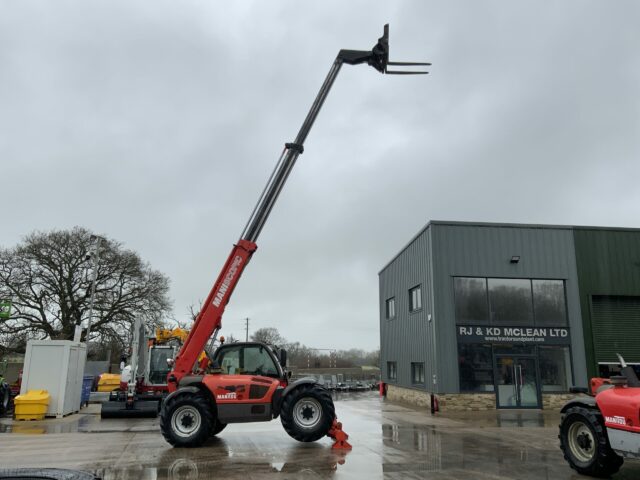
<point x="387" y="302"/>
<point x="531" y="280"/>
<point x="413" y="373"/>
<point x="241" y="349"/>
<point x="473" y="370"/>
<point x="569" y="371"/>
<point x="395" y="370"/>
<point x="498" y="301"/>
<point x="456" y="304"/>
<point x="564" y="298"/>
<point x="411" y="306"/>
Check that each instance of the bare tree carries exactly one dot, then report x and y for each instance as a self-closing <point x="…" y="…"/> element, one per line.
<point x="268" y="335"/>
<point x="48" y="281"/>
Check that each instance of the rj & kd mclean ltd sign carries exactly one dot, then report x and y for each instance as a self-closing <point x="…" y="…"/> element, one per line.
<point x="544" y="335"/>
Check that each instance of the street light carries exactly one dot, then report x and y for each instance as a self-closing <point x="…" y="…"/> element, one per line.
<point x="95" y="255"/>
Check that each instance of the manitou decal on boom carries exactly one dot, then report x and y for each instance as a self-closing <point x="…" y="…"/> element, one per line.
<point x="256" y="373"/>
<point x="227" y="280"/>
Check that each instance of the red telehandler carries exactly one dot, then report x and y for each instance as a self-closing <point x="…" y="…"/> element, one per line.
<point x="248" y="382"/>
<point x="598" y="430"/>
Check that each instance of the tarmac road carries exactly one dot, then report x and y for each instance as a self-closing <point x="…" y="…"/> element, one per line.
<point x="389" y="441"/>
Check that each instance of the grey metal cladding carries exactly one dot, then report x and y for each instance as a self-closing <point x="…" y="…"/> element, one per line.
<point x="406" y="338"/>
<point x="485" y="251"/>
<point x="443" y="250"/>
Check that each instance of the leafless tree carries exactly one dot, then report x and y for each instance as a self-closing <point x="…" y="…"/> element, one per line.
<point x="47" y="277"/>
<point x="268" y="335"/>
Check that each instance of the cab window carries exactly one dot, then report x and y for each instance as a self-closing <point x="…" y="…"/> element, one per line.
<point x="158" y="367"/>
<point x="246" y="360"/>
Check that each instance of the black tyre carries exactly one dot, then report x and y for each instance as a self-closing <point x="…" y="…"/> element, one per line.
<point x="5" y="397"/>
<point x="187" y="420"/>
<point x="45" y="474"/>
<point x="217" y="427"/>
<point x="585" y="445"/>
<point x="307" y="412"/>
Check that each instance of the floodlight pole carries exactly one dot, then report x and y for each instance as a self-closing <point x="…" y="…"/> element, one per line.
<point x="94" y="277"/>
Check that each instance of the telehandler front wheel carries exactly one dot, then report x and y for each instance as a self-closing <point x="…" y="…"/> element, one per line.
<point x="187" y="420"/>
<point x="584" y="442"/>
<point x="307" y="413"/>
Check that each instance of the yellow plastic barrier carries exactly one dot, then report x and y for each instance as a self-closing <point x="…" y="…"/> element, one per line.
<point x="108" y="382"/>
<point x="32" y="405"/>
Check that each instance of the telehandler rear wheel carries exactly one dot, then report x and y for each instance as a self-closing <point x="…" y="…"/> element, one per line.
<point x="584" y="442"/>
<point x="187" y="420"/>
<point x="307" y="413"/>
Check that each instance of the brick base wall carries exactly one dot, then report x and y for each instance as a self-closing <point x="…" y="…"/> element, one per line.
<point x="465" y="401"/>
<point x="457" y="402"/>
<point x="555" y="401"/>
<point x="408" y="395"/>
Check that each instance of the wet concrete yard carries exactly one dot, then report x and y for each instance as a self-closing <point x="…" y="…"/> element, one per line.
<point x="390" y="441"/>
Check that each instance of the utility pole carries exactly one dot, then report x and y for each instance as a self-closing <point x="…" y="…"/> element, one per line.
<point x="247" y="329"/>
<point x="95" y="255"/>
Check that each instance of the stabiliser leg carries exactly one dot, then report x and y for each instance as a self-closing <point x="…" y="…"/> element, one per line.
<point x="339" y="436"/>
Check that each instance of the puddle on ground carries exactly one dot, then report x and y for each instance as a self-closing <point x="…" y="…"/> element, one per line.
<point x="221" y="459"/>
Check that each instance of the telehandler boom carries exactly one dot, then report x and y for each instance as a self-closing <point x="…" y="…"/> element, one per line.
<point x="248" y="381"/>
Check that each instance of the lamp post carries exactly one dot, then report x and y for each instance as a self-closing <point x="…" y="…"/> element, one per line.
<point x="95" y="255"/>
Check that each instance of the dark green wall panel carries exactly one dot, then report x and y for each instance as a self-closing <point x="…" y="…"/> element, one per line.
<point x="608" y="264"/>
<point x="616" y="327"/>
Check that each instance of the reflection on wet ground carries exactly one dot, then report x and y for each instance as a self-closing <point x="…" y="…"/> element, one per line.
<point x="390" y="441"/>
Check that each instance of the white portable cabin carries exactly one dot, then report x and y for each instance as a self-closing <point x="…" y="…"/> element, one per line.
<point x="58" y="367"/>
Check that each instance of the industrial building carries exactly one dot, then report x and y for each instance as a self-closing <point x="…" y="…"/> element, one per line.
<point x="507" y="315"/>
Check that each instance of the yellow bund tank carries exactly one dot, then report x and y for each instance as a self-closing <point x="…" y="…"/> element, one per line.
<point x="108" y="382"/>
<point x="32" y="405"/>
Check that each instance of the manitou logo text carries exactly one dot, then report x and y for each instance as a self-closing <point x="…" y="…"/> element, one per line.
<point x="616" y="420"/>
<point x="222" y="291"/>
<point x="226" y="396"/>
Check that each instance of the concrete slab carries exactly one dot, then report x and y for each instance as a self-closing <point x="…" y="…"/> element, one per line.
<point x="390" y="441"/>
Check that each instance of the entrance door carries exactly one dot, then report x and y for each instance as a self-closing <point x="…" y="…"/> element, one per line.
<point x="517" y="383"/>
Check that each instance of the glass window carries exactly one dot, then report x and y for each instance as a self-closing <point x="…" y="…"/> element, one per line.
<point x="391" y="308"/>
<point x="228" y="359"/>
<point x="158" y="367"/>
<point x="549" y="303"/>
<point x="415" y="298"/>
<point x="246" y="360"/>
<point x="392" y="371"/>
<point x="475" y="365"/>
<point x="510" y="301"/>
<point x="257" y="361"/>
<point x="417" y="373"/>
<point x="555" y="368"/>
<point x="471" y="301"/>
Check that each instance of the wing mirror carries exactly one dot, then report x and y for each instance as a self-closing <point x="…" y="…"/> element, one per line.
<point x="283" y="357"/>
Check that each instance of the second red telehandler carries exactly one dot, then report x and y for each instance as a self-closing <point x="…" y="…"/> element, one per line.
<point x="599" y="430"/>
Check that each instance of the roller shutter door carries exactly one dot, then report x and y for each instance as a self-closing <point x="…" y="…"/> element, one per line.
<point x="616" y="327"/>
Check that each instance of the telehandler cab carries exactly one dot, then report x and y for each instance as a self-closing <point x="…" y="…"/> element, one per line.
<point x="247" y="382"/>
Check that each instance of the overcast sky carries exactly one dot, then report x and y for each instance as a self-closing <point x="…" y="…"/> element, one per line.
<point x="157" y="124"/>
